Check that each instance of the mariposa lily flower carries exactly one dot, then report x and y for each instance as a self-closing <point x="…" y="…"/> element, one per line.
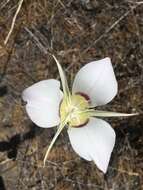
<point x="94" y="85"/>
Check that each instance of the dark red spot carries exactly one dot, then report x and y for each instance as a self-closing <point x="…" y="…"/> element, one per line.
<point x="83" y="95"/>
<point x="60" y="107"/>
<point x="82" y="125"/>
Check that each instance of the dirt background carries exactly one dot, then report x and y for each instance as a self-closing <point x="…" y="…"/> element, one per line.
<point x="77" y="32"/>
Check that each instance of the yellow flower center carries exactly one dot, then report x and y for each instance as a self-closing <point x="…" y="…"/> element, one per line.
<point x="75" y="109"/>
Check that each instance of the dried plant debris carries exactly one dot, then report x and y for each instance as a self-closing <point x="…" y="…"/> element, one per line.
<point x="77" y="32"/>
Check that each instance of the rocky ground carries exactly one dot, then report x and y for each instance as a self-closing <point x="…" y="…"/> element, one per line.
<point x="77" y="32"/>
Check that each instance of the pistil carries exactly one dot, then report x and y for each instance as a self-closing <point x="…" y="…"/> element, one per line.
<point x="76" y="109"/>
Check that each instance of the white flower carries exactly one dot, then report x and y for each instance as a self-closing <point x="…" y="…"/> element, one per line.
<point x="95" y="84"/>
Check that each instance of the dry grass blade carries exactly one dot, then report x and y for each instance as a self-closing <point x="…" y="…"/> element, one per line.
<point x="13" y="22"/>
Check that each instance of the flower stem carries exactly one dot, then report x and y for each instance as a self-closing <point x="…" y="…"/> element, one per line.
<point x="98" y="113"/>
<point x="66" y="90"/>
<point x="60" y="128"/>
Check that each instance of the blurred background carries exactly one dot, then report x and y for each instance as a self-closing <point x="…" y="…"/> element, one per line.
<point x="77" y="32"/>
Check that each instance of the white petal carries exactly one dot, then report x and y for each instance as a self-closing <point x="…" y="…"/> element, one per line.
<point x="97" y="80"/>
<point x="43" y="100"/>
<point x="95" y="141"/>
